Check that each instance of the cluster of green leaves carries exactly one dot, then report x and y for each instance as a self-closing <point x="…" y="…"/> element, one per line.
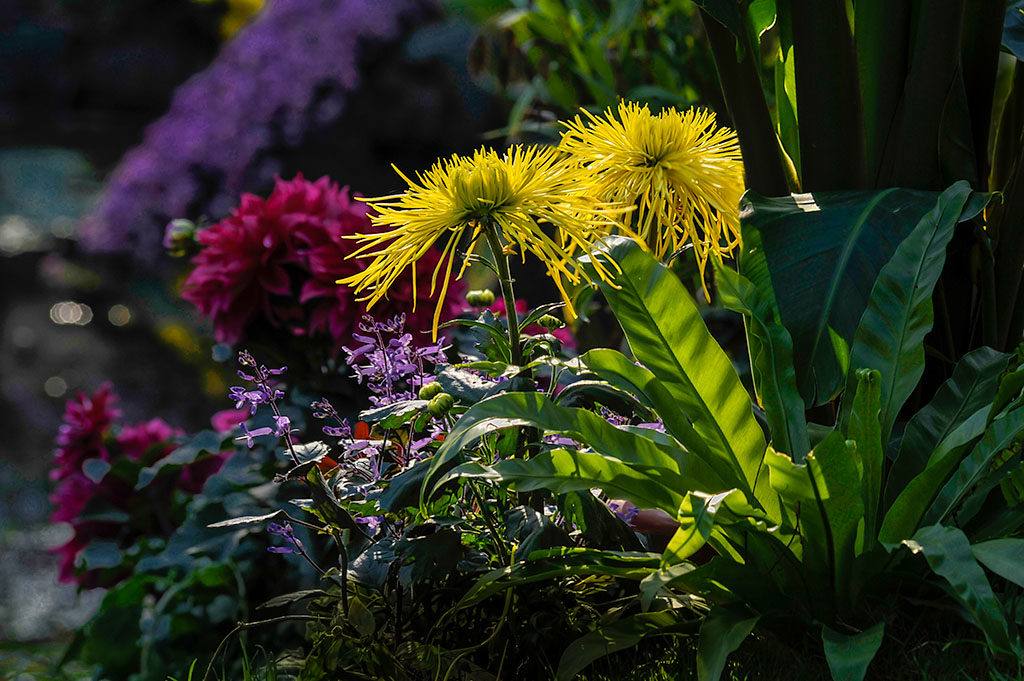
<point x="185" y="593"/>
<point x="555" y="57"/>
<point x="814" y="527"/>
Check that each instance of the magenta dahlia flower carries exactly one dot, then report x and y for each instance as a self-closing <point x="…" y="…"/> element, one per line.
<point x="277" y="259"/>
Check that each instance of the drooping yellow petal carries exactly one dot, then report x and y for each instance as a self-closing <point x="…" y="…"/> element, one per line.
<point x="514" y="194"/>
<point x="683" y="174"/>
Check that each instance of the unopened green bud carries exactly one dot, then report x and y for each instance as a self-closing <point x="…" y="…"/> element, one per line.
<point x="480" y="298"/>
<point x="550" y="322"/>
<point x="179" y="237"/>
<point x="440" y="404"/>
<point x="430" y="390"/>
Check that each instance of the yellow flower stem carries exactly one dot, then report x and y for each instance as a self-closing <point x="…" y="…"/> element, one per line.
<point x="507" y="292"/>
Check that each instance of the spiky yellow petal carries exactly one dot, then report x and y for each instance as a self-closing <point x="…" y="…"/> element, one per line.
<point x="513" y="193"/>
<point x="683" y="174"/>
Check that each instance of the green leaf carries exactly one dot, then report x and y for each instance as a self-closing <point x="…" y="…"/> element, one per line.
<point x="95" y="469"/>
<point x="890" y="336"/>
<point x="1005" y="557"/>
<point x="294" y="597"/>
<point x="618" y="370"/>
<point x="721" y="633"/>
<point x="904" y="515"/>
<point x="1013" y="29"/>
<point x="866" y="431"/>
<point x="848" y="656"/>
<point x="534" y="409"/>
<point x="247" y="520"/>
<point x="566" y="470"/>
<point x="560" y="562"/>
<point x="360" y="617"/>
<point x="821" y="253"/>
<point x="949" y="554"/>
<point x="773" y="358"/>
<point x="620" y="635"/>
<point x="667" y="334"/>
<point x="971" y="387"/>
<point x="696" y="518"/>
<point x="205" y="443"/>
<point x="1000" y="435"/>
<point x="395" y="414"/>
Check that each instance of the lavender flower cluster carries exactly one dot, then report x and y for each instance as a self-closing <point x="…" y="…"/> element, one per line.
<point x="392" y="367"/>
<point x="263" y="91"/>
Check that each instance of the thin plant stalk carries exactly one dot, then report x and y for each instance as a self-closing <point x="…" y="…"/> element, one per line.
<point x="507" y="292"/>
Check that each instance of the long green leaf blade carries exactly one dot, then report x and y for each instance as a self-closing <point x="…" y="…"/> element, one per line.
<point x="667" y="335"/>
<point x="721" y="633"/>
<point x="620" y="635"/>
<point x="949" y="554"/>
<point x="848" y="657"/>
<point x="890" y="336"/>
<point x="972" y="386"/>
<point x="773" y="358"/>
<point x="510" y="410"/>
<point x="821" y="254"/>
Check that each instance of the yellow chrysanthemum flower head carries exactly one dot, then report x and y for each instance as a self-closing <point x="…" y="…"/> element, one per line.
<point x="683" y="173"/>
<point x="507" y="195"/>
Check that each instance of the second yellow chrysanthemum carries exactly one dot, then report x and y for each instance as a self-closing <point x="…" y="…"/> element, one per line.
<point x="510" y="194"/>
<point x="684" y="174"/>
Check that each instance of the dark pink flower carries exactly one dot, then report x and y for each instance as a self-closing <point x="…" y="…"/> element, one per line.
<point x="86" y="419"/>
<point x="226" y="420"/>
<point x="136" y="440"/>
<point x="279" y="259"/>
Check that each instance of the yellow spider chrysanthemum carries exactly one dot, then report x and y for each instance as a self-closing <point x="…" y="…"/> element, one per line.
<point x="684" y="175"/>
<point x="510" y="194"/>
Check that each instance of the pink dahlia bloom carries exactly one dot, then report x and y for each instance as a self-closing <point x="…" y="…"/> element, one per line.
<point x="86" y="420"/>
<point x="278" y="259"/>
<point x="136" y="440"/>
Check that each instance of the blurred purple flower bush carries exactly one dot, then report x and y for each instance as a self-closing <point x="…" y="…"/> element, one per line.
<point x="286" y="72"/>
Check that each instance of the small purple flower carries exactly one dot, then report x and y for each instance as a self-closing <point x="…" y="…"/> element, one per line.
<point x="250" y="434"/>
<point x="392" y="368"/>
<point x="286" y="532"/>
<point x="282" y="425"/>
<point x="625" y="510"/>
<point x="372" y="522"/>
<point x="252" y="398"/>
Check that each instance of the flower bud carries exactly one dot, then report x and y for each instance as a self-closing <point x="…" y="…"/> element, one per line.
<point x="179" y="237"/>
<point x="430" y="390"/>
<point x="550" y="322"/>
<point x="440" y="404"/>
<point x="480" y="298"/>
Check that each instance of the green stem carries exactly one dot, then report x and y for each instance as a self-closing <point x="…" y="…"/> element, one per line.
<point x="507" y="292"/>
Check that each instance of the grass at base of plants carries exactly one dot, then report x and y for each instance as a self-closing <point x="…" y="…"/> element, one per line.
<point x="927" y="649"/>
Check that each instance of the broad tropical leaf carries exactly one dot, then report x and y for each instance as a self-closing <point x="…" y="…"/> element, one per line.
<point x="619" y="635"/>
<point x="721" y="633"/>
<point x="772" y="356"/>
<point x="1005" y="557"/>
<point x="848" y="656"/>
<point x="971" y="387"/>
<point x="890" y="336"/>
<point x="567" y="470"/>
<point x="534" y="409"/>
<point x="821" y="253"/>
<point x="949" y="554"/>
<point x="667" y="335"/>
<point x="1000" y="435"/>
